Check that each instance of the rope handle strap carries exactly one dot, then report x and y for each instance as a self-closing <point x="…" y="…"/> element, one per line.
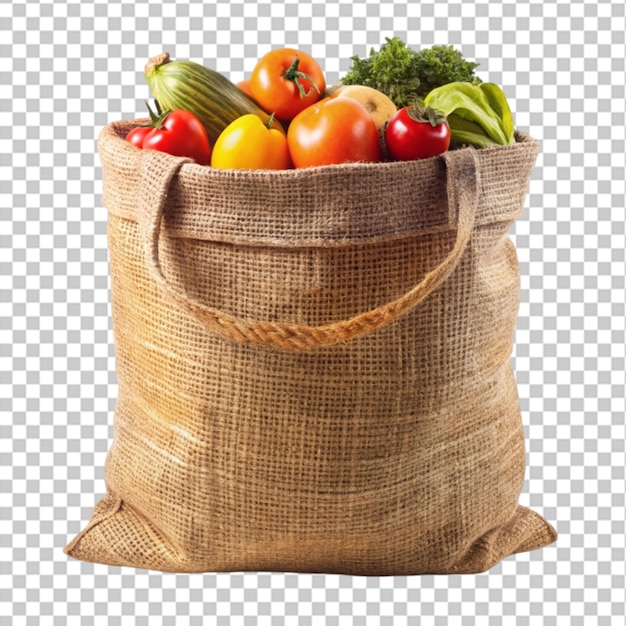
<point x="462" y="192"/>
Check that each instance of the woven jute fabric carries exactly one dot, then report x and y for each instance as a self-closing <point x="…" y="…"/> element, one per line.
<point x="314" y="366"/>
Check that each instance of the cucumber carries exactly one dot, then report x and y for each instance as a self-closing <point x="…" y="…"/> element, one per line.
<point x="209" y="95"/>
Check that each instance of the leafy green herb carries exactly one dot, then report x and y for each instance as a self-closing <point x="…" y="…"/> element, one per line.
<point x="403" y="73"/>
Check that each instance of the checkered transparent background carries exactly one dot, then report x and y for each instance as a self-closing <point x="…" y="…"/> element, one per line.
<point x="68" y="68"/>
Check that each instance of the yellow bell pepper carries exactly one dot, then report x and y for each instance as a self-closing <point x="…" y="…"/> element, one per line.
<point x="248" y="143"/>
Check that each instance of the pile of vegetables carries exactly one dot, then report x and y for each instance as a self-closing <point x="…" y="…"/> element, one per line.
<point x="397" y="104"/>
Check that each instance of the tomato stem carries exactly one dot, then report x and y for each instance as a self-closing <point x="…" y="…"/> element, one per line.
<point x="156" y="119"/>
<point x="419" y="112"/>
<point x="293" y="74"/>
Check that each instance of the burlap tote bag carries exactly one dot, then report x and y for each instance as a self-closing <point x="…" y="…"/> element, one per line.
<point x="314" y="366"/>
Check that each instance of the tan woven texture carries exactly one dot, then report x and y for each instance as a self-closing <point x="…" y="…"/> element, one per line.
<point x="314" y="366"/>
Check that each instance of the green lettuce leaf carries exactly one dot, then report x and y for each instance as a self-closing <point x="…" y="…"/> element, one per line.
<point x="498" y="102"/>
<point x="464" y="132"/>
<point x="470" y="103"/>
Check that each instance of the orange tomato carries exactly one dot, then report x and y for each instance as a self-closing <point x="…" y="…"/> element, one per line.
<point x="334" y="130"/>
<point x="286" y="81"/>
<point x="244" y="85"/>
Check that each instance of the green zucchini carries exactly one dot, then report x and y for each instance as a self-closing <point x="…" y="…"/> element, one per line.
<point x="209" y="95"/>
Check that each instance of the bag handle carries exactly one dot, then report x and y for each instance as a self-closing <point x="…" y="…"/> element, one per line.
<point x="462" y="192"/>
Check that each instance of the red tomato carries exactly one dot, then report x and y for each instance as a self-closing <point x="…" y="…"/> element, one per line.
<point x="286" y="81"/>
<point x="182" y="134"/>
<point x="137" y="135"/>
<point x="415" y="132"/>
<point x="334" y="130"/>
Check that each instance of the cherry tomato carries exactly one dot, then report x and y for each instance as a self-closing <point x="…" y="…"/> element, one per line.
<point x="137" y="135"/>
<point x="287" y="81"/>
<point x="248" y="143"/>
<point x="416" y="132"/>
<point x="334" y="130"/>
<point x="180" y="133"/>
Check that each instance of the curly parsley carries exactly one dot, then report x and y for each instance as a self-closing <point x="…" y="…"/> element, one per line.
<point x="403" y="73"/>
